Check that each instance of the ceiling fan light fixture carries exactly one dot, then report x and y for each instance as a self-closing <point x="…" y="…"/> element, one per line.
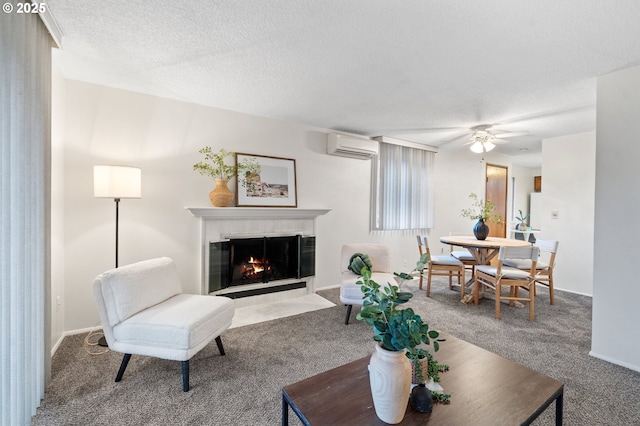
<point x="477" y="147"/>
<point x="482" y="141"/>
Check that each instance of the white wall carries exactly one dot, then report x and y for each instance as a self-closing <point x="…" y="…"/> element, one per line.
<point x="104" y="125"/>
<point x="57" y="204"/>
<point x="523" y="177"/>
<point x="568" y="187"/>
<point x="616" y="315"/>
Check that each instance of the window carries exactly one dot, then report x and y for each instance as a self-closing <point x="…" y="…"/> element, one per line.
<point x="402" y="188"/>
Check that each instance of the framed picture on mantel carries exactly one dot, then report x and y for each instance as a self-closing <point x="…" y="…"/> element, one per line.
<point x="273" y="186"/>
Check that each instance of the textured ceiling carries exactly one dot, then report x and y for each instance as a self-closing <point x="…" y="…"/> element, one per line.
<point x="423" y="71"/>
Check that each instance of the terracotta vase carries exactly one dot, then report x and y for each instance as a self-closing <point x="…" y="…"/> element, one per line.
<point x="221" y="196"/>
<point x="390" y="379"/>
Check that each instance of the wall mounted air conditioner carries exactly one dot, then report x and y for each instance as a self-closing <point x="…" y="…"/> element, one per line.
<point x="351" y="146"/>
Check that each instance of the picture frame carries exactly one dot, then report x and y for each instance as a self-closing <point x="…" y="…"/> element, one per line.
<point x="273" y="186"/>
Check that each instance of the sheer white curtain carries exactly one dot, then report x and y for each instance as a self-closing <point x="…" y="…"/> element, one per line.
<point x="25" y="122"/>
<point x="402" y="188"/>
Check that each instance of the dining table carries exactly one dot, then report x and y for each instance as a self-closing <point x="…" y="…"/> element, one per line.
<point x="483" y="251"/>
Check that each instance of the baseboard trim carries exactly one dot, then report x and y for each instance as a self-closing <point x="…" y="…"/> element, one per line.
<point x="615" y="361"/>
<point x="328" y="287"/>
<point x="71" y="333"/>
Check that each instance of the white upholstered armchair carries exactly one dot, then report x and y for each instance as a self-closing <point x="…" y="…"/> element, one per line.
<point x="380" y="255"/>
<point x="143" y="312"/>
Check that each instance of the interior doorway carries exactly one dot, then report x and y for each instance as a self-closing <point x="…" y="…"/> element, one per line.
<point x="496" y="191"/>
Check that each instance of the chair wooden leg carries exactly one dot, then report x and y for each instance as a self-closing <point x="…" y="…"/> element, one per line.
<point x="532" y="311"/>
<point x="498" y="288"/>
<point x="476" y="290"/>
<point x="346" y="319"/>
<point x="461" y="282"/>
<point x="123" y="366"/>
<point x="220" y="347"/>
<point x="429" y="284"/>
<point x="420" y="284"/>
<point x="185" y="376"/>
<point x="551" y="301"/>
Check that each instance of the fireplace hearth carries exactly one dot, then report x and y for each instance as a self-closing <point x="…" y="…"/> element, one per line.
<point x="243" y="261"/>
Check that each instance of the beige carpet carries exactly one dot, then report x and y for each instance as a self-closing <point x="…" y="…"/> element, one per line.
<point x="244" y="387"/>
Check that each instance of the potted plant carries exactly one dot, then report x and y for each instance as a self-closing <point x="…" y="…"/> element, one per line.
<point x="215" y="165"/>
<point x="482" y="212"/>
<point x="522" y="218"/>
<point x="399" y="333"/>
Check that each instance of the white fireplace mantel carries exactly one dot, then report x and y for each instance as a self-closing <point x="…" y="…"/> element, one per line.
<point x="217" y="223"/>
<point x="255" y="213"/>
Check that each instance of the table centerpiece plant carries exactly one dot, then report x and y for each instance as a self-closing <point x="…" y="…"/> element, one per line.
<point x="215" y="166"/>
<point x="399" y="334"/>
<point x="482" y="212"/>
<point x="522" y="218"/>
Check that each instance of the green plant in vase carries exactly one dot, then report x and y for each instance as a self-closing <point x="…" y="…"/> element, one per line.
<point x="396" y="329"/>
<point x="522" y="218"/>
<point x="482" y="212"/>
<point x="216" y="166"/>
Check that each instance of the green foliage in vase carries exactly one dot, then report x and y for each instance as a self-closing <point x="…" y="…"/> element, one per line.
<point x="215" y="165"/>
<point x="434" y="368"/>
<point x="522" y="218"/>
<point x="481" y="210"/>
<point x="396" y="329"/>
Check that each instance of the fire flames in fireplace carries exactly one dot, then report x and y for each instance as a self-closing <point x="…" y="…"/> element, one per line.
<point x="254" y="268"/>
<point x="241" y="261"/>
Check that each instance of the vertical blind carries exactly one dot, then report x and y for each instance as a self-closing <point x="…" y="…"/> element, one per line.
<point x="402" y="188"/>
<point x="25" y="122"/>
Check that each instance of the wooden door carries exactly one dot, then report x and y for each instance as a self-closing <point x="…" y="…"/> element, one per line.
<point x="496" y="191"/>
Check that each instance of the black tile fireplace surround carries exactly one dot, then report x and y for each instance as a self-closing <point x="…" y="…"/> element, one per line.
<point x="243" y="261"/>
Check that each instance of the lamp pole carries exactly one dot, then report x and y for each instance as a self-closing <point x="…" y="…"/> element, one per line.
<point x="117" y="200"/>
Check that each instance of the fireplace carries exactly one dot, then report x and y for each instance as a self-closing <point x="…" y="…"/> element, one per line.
<point x="220" y="226"/>
<point x="242" y="261"/>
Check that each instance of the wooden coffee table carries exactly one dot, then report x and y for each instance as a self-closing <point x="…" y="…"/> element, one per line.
<point x="485" y="389"/>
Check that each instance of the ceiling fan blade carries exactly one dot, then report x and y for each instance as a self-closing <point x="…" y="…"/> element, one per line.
<point x="510" y="134"/>
<point x="453" y="139"/>
<point x="546" y="114"/>
<point x="419" y="130"/>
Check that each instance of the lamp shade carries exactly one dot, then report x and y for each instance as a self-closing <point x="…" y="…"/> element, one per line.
<point x="117" y="182"/>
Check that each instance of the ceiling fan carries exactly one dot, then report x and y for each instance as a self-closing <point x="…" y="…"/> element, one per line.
<point x="486" y="133"/>
<point x="483" y="138"/>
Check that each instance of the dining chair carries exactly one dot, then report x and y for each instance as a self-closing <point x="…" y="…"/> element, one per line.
<point x="444" y="265"/>
<point x="544" y="268"/>
<point x="464" y="256"/>
<point x="495" y="277"/>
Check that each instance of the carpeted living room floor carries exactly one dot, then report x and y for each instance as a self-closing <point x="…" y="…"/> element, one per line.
<point x="244" y="387"/>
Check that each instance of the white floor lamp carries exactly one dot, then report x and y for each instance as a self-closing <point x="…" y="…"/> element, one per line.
<point x="116" y="182"/>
